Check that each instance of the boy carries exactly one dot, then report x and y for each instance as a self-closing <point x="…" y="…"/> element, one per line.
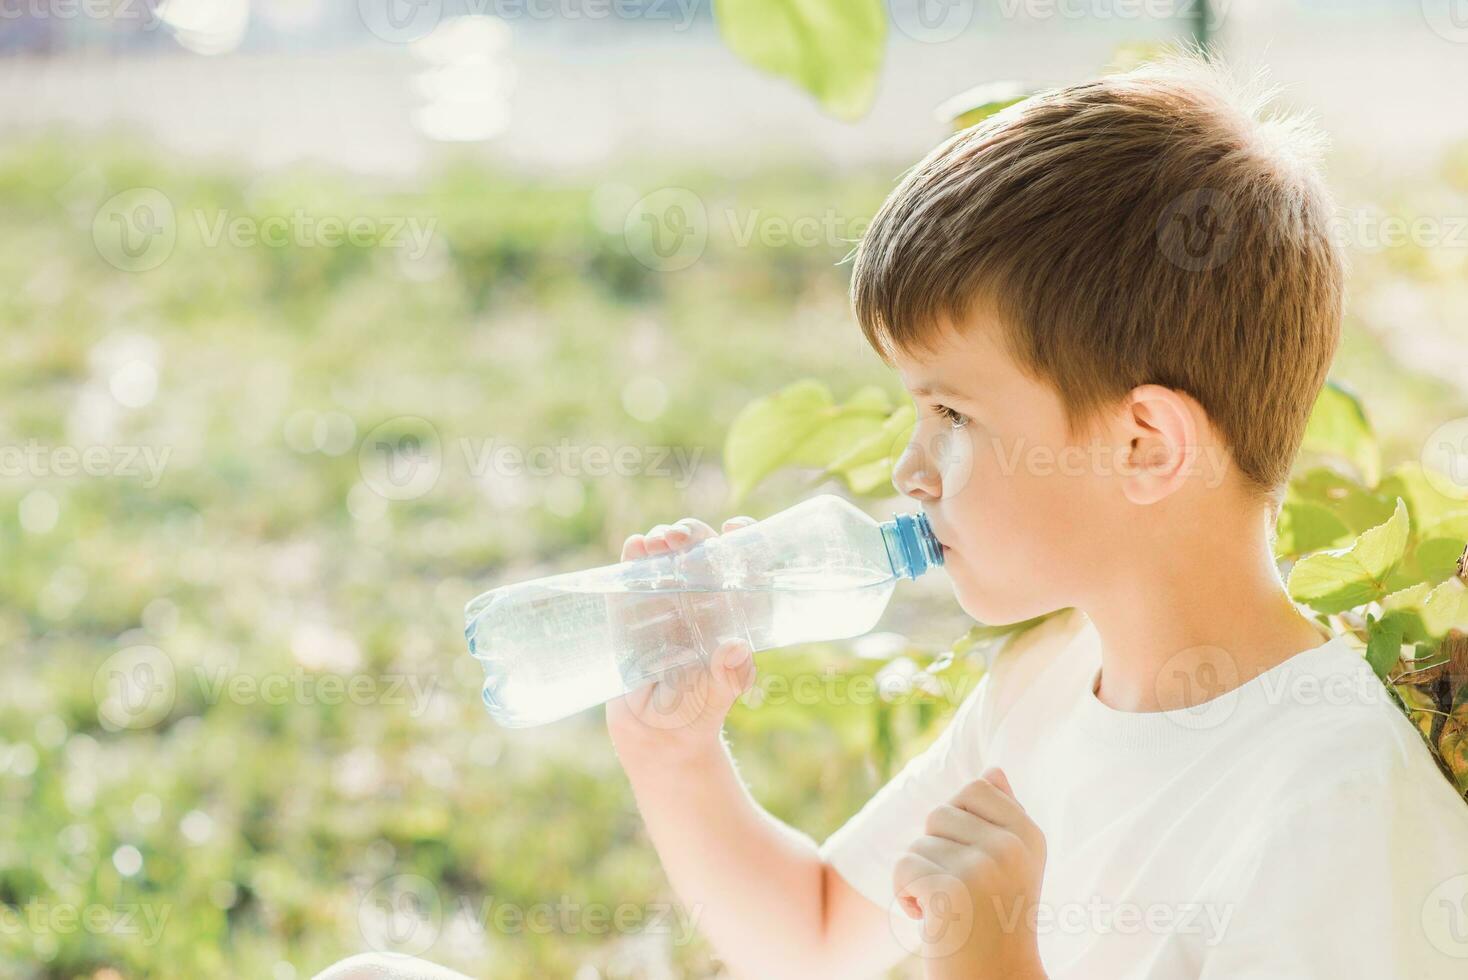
<point x="1114" y="305"/>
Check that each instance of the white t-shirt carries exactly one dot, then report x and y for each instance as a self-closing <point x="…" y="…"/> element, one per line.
<point x="1293" y="827"/>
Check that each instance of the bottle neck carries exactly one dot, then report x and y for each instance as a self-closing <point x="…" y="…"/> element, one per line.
<point x="911" y="545"/>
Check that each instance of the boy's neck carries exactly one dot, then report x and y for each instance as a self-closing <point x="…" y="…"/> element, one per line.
<point x="1185" y="625"/>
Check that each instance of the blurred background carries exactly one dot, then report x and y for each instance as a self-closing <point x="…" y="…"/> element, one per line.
<point x="319" y="317"/>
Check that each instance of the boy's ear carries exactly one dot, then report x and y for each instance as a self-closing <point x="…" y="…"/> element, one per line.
<point x="1162" y="427"/>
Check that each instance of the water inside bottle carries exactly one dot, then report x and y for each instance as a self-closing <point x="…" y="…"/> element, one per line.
<point x="641" y="628"/>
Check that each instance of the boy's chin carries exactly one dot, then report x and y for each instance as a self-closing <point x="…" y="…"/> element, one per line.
<point x="998" y="610"/>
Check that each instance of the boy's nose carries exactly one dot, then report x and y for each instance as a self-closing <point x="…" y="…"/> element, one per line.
<point x="914" y="475"/>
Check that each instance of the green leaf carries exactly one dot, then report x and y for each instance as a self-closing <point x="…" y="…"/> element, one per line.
<point x="831" y="48"/>
<point x="1334" y="581"/>
<point x="868" y="464"/>
<point x="1338" y="428"/>
<point x="1357" y="507"/>
<point x="1441" y="546"/>
<point x="1305" y="527"/>
<point x="1402" y="610"/>
<point x="1446" y="608"/>
<point x="800" y="425"/>
<point x="974" y="105"/>
<point x="982" y="633"/>
<point x="1383" y="646"/>
<point x="853" y="422"/>
<point x="1426" y="505"/>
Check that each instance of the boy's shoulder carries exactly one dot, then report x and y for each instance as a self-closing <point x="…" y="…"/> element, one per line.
<point x="1330" y="727"/>
<point x="1051" y="657"/>
<point x="1312" y="725"/>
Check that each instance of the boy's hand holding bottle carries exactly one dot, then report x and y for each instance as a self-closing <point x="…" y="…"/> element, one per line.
<point x="685" y="707"/>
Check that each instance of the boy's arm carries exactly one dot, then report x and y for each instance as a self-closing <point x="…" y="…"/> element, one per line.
<point x="756" y="887"/>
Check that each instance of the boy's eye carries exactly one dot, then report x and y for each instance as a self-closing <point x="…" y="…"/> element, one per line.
<point x="957" y="419"/>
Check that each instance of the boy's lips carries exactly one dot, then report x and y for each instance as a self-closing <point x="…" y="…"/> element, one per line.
<point x="943" y="545"/>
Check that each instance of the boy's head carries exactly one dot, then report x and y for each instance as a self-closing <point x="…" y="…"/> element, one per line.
<point x="1131" y="290"/>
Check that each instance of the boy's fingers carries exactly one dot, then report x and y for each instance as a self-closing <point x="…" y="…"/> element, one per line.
<point x="987" y="801"/>
<point x="664" y="538"/>
<point x="682" y="534"/>
<point x="913" y="879"/>
<point x="951" y="823"/>
<point x="736" y="662"/>
<point x="634" y="547"/>
<point x="657" y="541"/>
<point x="996" y="776"/>
<point x="687" y="532"/>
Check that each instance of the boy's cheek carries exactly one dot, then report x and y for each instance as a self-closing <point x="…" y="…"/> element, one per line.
<point x="1015" y="532"/>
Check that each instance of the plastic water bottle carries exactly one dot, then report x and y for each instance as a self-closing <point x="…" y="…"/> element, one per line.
<point x="821" y="570"/>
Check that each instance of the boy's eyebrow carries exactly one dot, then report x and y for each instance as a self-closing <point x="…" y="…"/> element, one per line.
<point x="934" y="388"/>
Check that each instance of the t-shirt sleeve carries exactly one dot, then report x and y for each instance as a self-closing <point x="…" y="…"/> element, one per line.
<point x="1370" y="880"/>
<point x="866" y="848"/>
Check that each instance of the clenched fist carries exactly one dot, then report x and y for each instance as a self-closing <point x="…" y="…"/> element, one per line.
<point x="974" y="877"/>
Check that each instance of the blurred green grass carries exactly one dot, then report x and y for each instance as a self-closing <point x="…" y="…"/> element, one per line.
<point x="263" y="828"/>
<point x="267" y="831"/>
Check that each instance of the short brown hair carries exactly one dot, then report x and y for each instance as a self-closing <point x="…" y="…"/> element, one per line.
<point x="1149" y="227"/>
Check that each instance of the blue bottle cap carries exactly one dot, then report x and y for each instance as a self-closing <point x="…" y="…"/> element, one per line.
<point x="911" y="545"/>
